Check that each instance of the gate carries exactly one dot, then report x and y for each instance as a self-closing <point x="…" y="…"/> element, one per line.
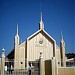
<point x="9" y="68"/>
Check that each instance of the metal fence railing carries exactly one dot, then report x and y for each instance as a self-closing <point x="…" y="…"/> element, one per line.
<point x="10" y="70"/>
<point x="69" y="69"/>
<point x="70" y="64"/>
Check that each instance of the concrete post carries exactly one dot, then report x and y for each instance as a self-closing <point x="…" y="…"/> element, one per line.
<point x="54" y="66"/>
<point x="41" y="63"/>
<point x="3" y="61"/>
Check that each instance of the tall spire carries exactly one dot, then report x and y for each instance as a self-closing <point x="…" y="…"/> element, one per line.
<point x="17" y="30"/>
<point x="41" y="17"/>
<point x="17" y="36"/>
<point x="61" y="36"/>
<point x="62" y="51"/>
<point x="41" y="24"/>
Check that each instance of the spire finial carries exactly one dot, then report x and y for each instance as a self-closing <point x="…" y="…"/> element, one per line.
<point x="17" y="29"/>
<point x="41" y="17"/>
<point x="3" y="49"/>
<point x="3" y="53"/>
<point x="17" y="36"/>
<point x="61" y="35"/>
<point x="41" y="24"/>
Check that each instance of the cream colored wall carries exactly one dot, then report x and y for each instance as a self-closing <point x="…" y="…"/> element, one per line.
<point x="16" y="64"/>
<point x="21" y="49"/>
<point x="66" y="71"/>
<point x="34" y="48"/>
<point x="20" y="53"/>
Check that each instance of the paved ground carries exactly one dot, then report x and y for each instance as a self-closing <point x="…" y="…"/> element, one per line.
<point x="22" y="73"/>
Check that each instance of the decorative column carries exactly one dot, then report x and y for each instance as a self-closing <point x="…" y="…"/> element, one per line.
<point x="3" y="61"/>
<point x="56" y="66"/>
<point x="41" y="63"/>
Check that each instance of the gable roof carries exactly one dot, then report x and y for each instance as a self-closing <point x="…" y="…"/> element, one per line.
<point x="39" y="32"/>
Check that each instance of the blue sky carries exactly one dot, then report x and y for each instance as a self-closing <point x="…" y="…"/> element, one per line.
<point x="57" y="15"/>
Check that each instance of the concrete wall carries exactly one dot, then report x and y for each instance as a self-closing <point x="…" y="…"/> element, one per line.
<point x="66" y="71"/>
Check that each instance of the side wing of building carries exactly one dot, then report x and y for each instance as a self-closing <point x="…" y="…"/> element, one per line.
<point x="20" y="61"/>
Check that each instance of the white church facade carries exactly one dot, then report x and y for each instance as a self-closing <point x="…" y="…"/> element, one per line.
<point x="29" y="51"/>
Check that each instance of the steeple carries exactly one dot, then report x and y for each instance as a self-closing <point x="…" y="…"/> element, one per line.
<point x="41" y="24"/>
<point x="61" y="36"/>
<point x="41" y="17"/>
<point x="16" y="44"/>
<point x="17" y="36"/>
<point x="17" y="30"/>
<point x="62" y="51"/>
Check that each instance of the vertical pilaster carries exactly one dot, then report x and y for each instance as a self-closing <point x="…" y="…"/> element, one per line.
<point x="41" y="64"/>
<point x="3" y="62"/>
<point x="27" y="52"/>
<point x="54" y="66"/>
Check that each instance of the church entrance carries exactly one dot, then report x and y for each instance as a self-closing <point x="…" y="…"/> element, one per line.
<point x="10" y="70"/>
<point x="34" y="67"/>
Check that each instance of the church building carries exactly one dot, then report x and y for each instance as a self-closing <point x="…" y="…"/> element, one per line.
<point x="29" y="51"/>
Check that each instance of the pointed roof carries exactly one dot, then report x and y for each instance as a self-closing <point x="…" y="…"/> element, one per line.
<point x="41" y="29"/>
<point x="39" y="32"/>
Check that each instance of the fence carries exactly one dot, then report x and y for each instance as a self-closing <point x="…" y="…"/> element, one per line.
<point x="70" y="63"/>
<point x="69" y="69"/>
<point x="7" y="67"/>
